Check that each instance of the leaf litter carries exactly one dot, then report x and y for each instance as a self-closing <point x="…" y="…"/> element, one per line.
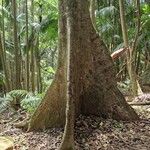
<point x="91" y="133"/>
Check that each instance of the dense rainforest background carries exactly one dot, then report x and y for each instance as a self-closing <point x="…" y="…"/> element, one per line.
<point x="83" y="64"/>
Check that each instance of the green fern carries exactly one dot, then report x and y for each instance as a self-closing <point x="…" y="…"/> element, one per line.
<point x="30" y="102"/>
<point x="18" y="94"/>
<point x="4" y="104"/>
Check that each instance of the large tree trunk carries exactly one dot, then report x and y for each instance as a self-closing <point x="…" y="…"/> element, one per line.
<point x="94" y="73"/>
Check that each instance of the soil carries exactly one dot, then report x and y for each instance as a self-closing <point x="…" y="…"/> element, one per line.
<point x="91" y="133"/>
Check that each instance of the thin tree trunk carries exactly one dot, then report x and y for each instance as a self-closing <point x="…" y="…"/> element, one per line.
<point x="32" y="52"/>
<point x="131" y="69"/>
<point x="3" y="29"/>
<point x="3" y="52"/>
<point x="27" y="49"/>
<point x="135" y="43"/>
<point x="38" y="57"/>
<point x="38" y="67"/>
<point x="17" y="59"/>
<point x="4" y="66"/>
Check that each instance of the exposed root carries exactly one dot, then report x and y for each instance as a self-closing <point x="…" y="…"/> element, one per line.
<point x="23" y="124"/>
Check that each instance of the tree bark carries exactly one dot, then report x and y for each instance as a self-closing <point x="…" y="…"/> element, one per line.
<point x="96" y="91"/>
<point x="32" y="52"/>
<point x="27" y="48"/>
<point x="38" y="67"/>
<point x="4" y="65"/>
<point x="3" y="52"/>
<point x="16" y="48"/>
<point x="72" y="95"/>
<point x="54" y="102"/>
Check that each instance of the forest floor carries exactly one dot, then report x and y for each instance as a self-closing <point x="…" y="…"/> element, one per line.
<point x="91" y="133"/>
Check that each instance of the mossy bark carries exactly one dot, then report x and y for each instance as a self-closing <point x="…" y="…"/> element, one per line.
<point x="94" y="73"/>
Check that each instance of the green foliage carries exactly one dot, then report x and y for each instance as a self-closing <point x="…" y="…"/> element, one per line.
<point x="12" y="98"/>
<point x="2" y="77"/>
<point x="43" y="34"/>
<point x="146" y="9"/>
<point x="48" y="75"/>
<point x="5" y="11"/>
<point x="107" y="24"/>
<point x="4" y="103"/>
<point x="27" y="100"/>
<point x="15" y="97"/>
<point x="124" y="86"/>
<point x="17" y="94"/>
<point x="30" y="102"/>
<point x="107" y="11"/>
